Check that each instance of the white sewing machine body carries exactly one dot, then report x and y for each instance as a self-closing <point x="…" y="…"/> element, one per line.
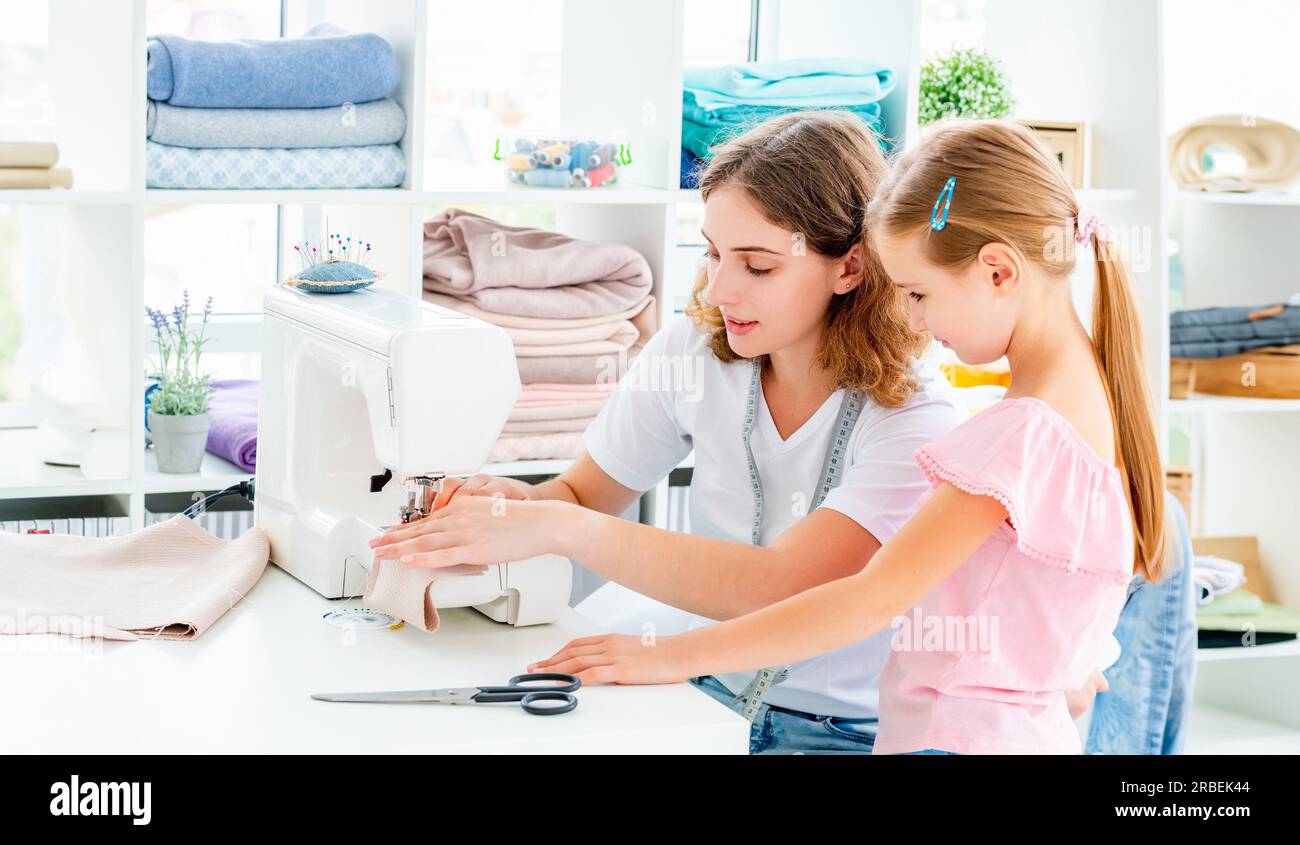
<point x="358" y="383"/>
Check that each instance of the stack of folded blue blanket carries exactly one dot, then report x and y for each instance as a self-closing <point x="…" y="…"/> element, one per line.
<point x="718" y="102"/>
<point x="310" y="112"/>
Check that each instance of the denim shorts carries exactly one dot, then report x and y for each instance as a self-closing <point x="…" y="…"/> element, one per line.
<point x="777" y="730"/>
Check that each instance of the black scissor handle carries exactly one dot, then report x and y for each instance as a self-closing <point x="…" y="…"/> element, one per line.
<point x="527" y="702"/>
<point x="522" y="686"/>
<point x="570" y="683"/>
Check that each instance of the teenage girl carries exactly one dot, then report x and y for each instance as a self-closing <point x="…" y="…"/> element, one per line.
<point x="793" y="377"/>
<point x="1041" y="508"/>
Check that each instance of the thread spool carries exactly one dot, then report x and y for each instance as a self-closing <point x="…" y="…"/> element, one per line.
<point x="581" y="153"/>
<point x="520" y="162"/>
<point x="547" y="178"/>
<point x="598" y="176"/>
<point x="603" y="154"/>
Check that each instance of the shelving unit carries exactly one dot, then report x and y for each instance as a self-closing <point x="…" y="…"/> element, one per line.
<point x="110" y="179"/>
<point x="1238" y="249"/>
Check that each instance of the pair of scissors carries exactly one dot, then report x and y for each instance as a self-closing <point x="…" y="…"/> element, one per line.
<point x="532" y="691"/>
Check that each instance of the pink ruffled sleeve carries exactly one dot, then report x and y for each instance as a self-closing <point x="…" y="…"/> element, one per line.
<point x="1066" y="505"/>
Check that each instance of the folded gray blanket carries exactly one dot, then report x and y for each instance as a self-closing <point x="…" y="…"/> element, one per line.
<point x="1219" y="332"/>
<point x="359" y="125"/>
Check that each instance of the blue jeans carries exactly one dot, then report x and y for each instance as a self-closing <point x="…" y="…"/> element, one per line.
<point x="779" y="731"/>
<point x="1146" y="709"/>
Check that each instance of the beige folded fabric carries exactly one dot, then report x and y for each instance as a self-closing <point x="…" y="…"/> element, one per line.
<point x="28" y="154"/>
<point x="35" y="177"/>
<point x="1267" y="153"/>
<point x="567" y="411"/>
<point x="514" y="321"/>
<point x="578" y="369"/>
<point x="624" y="340"/>
<point x="547" y="426"/>
<point x="536" y="337"/>
<point x="403" y="591"/>
<point x="537" y="395"/>
<point x="171" y="581"/>
<point x="529" y="447"/>
<point x="529" y="272"/>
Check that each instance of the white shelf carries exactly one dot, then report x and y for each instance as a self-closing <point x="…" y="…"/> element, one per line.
<point x="1290" y="648"/>
<point x="1204" y="404"/>
<point x="214" y="474"/>
<point x="626" y="194"/>
<point x="25" y="476"/>
<point x="1214" y="730"/>
<point x="161" y="196"/>
<point x="59" y="196"/>
<point x="622" y="194"/>
<point x="1277" y="198"/>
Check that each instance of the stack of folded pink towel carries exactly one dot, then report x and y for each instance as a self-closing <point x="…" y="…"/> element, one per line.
<point x="577" y="311"/>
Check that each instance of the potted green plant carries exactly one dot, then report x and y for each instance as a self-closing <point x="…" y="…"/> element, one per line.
<point x="178" y="410"/>
<point x="965" y="83"/>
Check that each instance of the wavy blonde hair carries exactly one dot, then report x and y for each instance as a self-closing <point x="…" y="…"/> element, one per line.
<point x="814" y="172"/>
<point x="1011" y="190"/>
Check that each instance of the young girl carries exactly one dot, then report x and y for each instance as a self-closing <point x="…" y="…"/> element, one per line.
<point x="800" y="332"/>
<point x="1042" y="507"/>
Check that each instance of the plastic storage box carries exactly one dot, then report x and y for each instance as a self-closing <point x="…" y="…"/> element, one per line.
<point x="564" y="159"/>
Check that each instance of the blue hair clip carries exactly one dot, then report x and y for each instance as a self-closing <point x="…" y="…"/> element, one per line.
<point x="937" y="222"/>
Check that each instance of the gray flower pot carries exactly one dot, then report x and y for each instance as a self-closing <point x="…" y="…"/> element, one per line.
<point x="179" y="440"/>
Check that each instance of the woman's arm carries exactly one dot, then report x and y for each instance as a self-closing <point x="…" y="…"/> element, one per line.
<point x="583" y="483"/>
<point x="937" y="540"/>
<point x="714" y="578"/>
<point x="722" y="579"/>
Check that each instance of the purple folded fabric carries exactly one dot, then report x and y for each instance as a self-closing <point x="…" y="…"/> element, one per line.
<point x="233" y="435"/>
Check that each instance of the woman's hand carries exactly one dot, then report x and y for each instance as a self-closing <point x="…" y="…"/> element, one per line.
<point x="482" y="485"/>
<point x="621" y="659"/>
<point x="481" y="530"/>
<point x="1080" y="700"/>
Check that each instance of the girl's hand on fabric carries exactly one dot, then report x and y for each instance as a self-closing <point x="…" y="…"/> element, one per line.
<point x="481" y="484"/>
<point x="1080" y="700"/>
<point x="478" y="530"/>
<point x="620" y="659"/>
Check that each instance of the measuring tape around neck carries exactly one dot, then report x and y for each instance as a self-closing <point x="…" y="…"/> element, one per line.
<point x="831" y="473"/>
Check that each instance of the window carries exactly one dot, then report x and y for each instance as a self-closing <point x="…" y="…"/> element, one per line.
<point x="227" y="252"/>
<point x="13" y="388"/>
<point x="214" y="20"/>
<point x="717" y="32"/>
<point x="489" y="67"/>
<point x="28" y="113"/>
<point x="946" y="24"/>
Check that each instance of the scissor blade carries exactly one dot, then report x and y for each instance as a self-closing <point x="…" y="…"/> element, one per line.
<point x="415" y="696"/>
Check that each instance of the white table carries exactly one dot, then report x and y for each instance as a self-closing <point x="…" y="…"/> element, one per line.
<point x="244" y="686"/>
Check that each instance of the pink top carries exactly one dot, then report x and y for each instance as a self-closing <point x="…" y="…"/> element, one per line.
<point x="982" y="664"/>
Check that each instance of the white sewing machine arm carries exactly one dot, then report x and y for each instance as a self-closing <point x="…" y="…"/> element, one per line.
<point x="359" y="383"/>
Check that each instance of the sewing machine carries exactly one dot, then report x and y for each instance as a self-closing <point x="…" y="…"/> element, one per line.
<point x="369" y="398"/>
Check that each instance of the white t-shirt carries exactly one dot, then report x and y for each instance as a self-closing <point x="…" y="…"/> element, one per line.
<point x="677" y="397"/>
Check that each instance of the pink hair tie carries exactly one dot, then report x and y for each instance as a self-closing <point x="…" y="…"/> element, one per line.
<point x="1087" y="224"/>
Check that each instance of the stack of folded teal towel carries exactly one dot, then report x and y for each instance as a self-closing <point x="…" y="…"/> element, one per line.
<point x="718" y="102"/>
<point x="309" y="112"/>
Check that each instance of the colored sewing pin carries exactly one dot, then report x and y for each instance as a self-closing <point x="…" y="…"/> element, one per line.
<point x="937" y="222"/>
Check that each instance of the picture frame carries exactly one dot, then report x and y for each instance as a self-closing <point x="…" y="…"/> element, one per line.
<point x="1070" y="143"/>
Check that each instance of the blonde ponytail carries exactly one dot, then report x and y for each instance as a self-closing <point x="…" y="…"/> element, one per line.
<point x="1116" y="335"/>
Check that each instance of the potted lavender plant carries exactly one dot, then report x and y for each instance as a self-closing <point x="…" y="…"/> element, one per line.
<point x="178" y="410"/>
